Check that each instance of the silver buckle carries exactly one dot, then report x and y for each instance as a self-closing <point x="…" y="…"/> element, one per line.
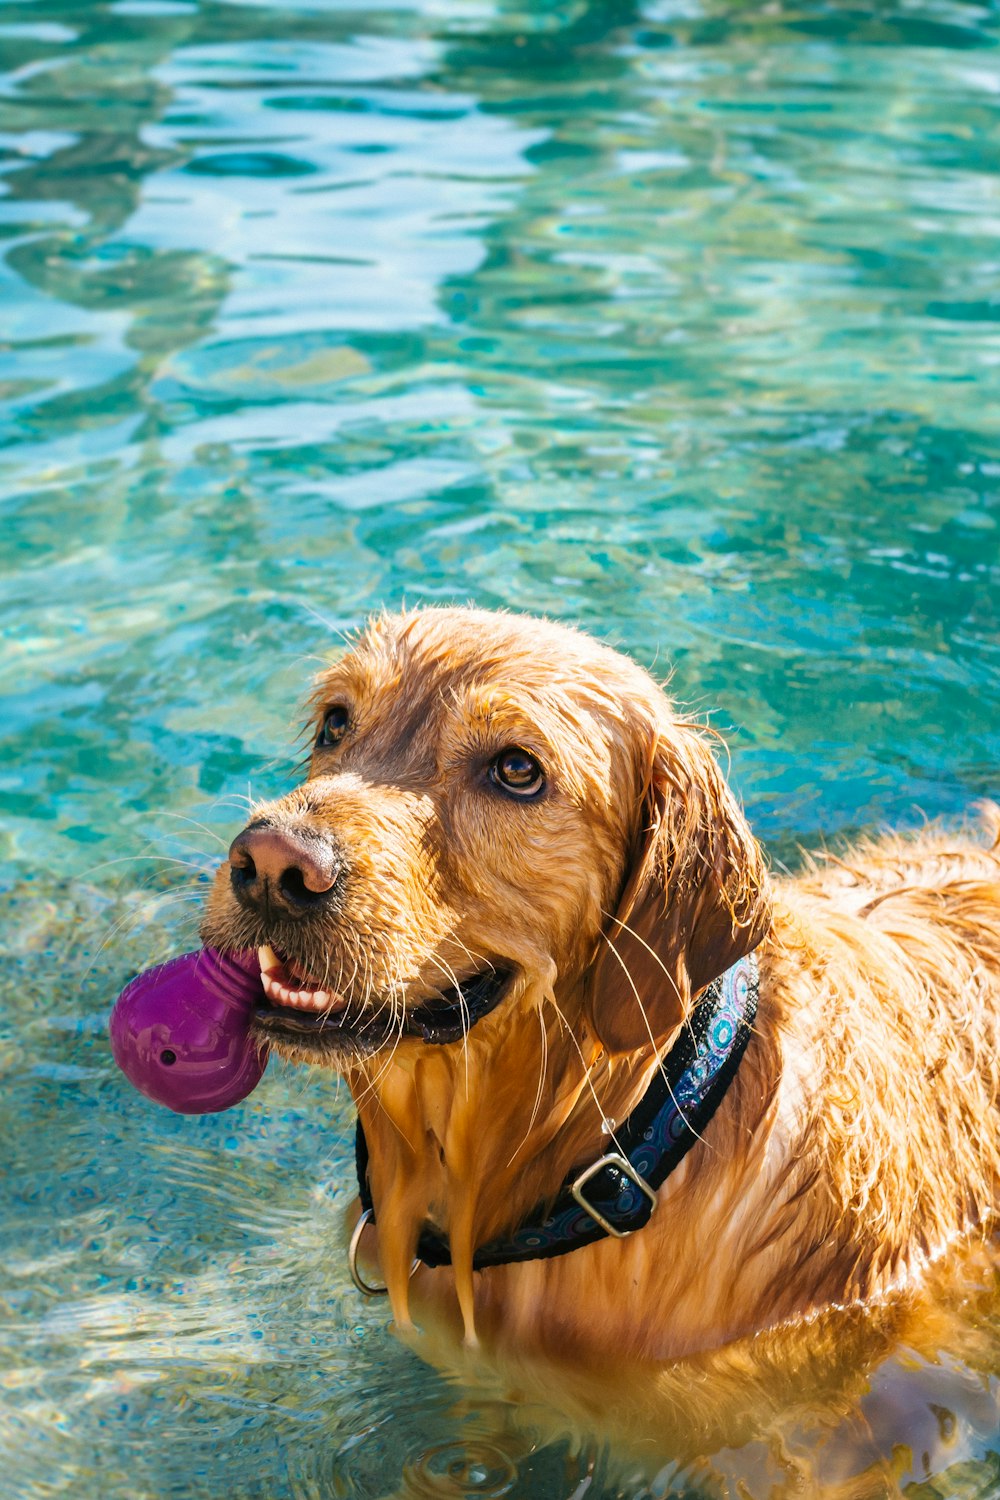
<point x="612" y="1159"/>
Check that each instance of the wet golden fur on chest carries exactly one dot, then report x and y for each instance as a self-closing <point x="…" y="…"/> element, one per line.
<point x="859" y="1139"/>
<point x="859" y="1136"/>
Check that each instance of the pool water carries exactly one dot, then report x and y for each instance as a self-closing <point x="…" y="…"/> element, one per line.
<point x="678" y="319"/>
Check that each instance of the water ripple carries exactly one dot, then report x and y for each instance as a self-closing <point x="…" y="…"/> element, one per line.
<point x="676" y="320"/>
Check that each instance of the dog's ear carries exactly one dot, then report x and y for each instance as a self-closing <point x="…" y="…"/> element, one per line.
<point x="695" y="898"/>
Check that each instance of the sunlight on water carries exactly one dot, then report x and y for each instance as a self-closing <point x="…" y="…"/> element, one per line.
<point x="676" y="319"/>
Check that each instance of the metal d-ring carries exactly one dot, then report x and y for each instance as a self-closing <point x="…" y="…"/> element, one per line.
<point x="364" y="1287"/>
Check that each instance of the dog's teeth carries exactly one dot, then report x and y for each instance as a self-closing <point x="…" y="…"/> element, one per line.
<point x="317" y="1000"/>
<point x="268" y="959"/>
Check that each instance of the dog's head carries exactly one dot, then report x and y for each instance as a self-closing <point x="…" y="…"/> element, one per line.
<point x="498" y="811"/>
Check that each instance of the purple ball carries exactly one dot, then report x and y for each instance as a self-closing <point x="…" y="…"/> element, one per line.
<point x="181" y="1032"/>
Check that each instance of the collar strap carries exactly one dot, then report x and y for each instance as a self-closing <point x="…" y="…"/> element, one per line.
<point x="616" y="1195"/>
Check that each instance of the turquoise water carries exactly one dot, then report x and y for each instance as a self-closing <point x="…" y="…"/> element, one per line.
<point x="677" y="319"/>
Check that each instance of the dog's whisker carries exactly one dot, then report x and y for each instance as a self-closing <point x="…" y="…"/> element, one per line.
<point x="236" y="800"/>
<point x="194" y="823"/>
<point x="466" y="1021"/>
<point x="620" y="922"/>
<point x="543" y="1060"/>
<point x="652" y="1040"/>
<point x="132" y="921"/>
<point x="607" y="1126"/>
<point x="144" y="857"/>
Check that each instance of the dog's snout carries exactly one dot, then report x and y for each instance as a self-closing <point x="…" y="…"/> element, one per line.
<point x="274" y="865"/>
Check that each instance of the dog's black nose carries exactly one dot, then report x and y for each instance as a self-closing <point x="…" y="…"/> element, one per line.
<point x="296" y="871"/>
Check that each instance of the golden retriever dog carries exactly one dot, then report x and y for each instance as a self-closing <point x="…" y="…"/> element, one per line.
<point x="509" y="886"/>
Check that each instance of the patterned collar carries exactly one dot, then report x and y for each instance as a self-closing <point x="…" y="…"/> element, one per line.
<point x="616" y="1195"/>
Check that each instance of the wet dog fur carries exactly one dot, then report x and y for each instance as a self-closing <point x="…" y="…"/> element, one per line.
<point x="859" y="1137"/>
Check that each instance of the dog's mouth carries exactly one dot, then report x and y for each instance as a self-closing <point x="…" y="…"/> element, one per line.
<point x="314" y="1020"/>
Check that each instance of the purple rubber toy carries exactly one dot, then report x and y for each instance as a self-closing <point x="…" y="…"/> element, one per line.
<point x="181" y="1032"/>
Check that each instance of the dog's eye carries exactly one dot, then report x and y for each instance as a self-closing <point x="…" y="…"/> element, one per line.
<point x="335" y="725"/>
<point x="517" y="771"/>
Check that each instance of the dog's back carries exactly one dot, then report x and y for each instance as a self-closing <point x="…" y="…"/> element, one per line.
<point x="898" y="945"/>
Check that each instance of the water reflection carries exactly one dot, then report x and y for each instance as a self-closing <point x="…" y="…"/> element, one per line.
<point x="857" y="1401"/>
<point x="660" y="320"/>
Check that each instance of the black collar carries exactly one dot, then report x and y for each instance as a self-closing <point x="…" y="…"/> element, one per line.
<point x="616" y="1194"/>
